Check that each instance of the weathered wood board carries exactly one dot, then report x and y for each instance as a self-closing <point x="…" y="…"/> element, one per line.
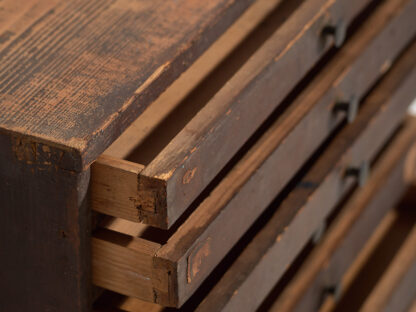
<point x="190" y="254"/>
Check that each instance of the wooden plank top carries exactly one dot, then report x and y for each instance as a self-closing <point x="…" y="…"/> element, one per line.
<point x="74" y="74"/>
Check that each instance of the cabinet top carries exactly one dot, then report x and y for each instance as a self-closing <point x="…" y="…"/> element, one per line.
<point x="75" y="73"/>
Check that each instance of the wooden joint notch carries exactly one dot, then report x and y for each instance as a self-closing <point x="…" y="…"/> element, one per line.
<point x="130" y="265"/>
<point x="119" y="189"/>
<point x="165" y="282"/>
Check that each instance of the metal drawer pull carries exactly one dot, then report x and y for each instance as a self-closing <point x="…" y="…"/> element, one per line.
<point x="350" y="108"/>
<point x="362" y="172"/>
<point x="338" y="31"/>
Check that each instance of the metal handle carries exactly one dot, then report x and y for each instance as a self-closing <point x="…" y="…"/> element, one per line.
<point x="319" y="233"/>
<point x="335" y="291"/>
<point x="338" y="32"/>
<point x="362" y="172"/>
<point x="349" y="107"/>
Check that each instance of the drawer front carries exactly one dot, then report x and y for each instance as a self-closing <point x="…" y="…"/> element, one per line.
<point x="169" y="271"/>
<point x="325" y="267"/>
<point x="301" y="214"/>
<point x="382" y="278"/>
<point x="166" y="186"/>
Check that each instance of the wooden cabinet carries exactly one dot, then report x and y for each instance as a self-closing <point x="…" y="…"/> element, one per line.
<point x="206" y="155"/>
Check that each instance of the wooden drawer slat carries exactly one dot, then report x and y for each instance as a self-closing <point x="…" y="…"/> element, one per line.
<point x="191" y="160"/>
<point x="192" y="252"/>
<point x="347" y="235"/>
<point x="383" y="276"/>
<point x="312" y="203"/>
<point x="397" y="286"/>
<point x="218" y="53"/>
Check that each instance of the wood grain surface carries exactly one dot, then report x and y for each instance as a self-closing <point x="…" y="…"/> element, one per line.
<point x="161" y="116"/>
<point x="287" y="230"/>
<point x="44" y="231"/>
<point x="383" y="278"/>
<point x="345" y="238"/>
<point x="74" y="74"/>
<point x="160" y="202"/>
<point x="199" y="244"/>
<point x="215" y="134"/>
<point x="398" y="280"/>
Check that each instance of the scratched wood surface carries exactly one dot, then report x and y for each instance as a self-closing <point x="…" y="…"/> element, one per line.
<point x="178" y="174"/>
<point x="191" y="253"/>
<point x="329" y="185"/>
<point x="74" y="74"/>
<point x="161" y="121"/>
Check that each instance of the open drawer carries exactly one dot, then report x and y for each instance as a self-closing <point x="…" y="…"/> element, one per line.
<point x="129" y="260"/>
<point x="169" y="168"/>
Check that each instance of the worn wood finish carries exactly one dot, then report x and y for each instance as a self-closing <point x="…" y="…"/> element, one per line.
<point x="397" y="286"/>
<point x="346" y="77"/>
<point x="126" y="261"/>
<point x="202" y="241"/>
<point x="75" y="74"/>
<point x="384" y="227"/>
<point x="44" y="230"/>
<point x="185" y="166"/>
<point x="392" y="173"/>
<point x="114" y="185"/>
<point x="276" y="246"/>
<point x="383" y="277"/>
<point x="195" y="75"/>
<point x="348" y="234"/>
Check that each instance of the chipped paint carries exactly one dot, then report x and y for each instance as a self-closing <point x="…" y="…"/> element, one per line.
<point x="188" y="176"/>
<point x="165" y="175"/>
<point x="196" y="258"/>
<point x="153" y="77"/>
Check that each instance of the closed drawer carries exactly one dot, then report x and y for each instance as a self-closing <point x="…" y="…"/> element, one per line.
<point x="382" y="278"/>
<point x="271" y="252"/>
<point x="166" y="267"/>
<point x="234" y="101"/>
<point x="322" y="273"/>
